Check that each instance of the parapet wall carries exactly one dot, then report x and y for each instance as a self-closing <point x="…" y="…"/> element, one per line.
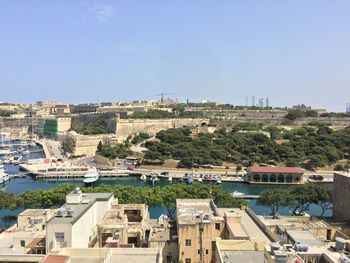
<point x="127" y="127"/>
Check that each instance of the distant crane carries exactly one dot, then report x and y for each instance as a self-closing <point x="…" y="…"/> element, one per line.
<point x="162" y="95"/>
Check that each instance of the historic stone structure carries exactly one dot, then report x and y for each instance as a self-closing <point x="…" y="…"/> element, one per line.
<point x="274" y="175"/>
<point x="126" y="127"/>
<point x="341" y="192"/>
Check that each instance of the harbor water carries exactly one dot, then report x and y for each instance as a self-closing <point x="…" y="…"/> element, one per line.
<point x="19" y="185"/>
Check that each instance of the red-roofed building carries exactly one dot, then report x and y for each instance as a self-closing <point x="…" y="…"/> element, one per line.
<point x="275" y="175"/>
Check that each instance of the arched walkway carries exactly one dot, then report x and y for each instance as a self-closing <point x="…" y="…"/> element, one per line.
<point x="280" y="178"/>
<point x="273" y="178"/>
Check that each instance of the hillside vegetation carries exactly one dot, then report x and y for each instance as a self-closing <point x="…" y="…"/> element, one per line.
<point x="308" y="146"/>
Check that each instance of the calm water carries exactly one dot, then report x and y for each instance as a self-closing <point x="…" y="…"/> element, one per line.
<point x="20" y="185"/>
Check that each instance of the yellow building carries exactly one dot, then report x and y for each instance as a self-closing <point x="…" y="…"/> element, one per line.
<point x="78" y="144"/>
<point x="199" y="223"/>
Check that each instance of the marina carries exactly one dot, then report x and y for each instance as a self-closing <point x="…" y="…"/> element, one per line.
<point x="21" y="179"/>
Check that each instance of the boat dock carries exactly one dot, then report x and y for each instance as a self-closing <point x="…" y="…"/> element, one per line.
<point x="77" y="175"/>
<point x="250" y="197"/>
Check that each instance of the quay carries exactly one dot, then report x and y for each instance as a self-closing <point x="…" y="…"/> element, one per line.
<point x="250" y="197"/>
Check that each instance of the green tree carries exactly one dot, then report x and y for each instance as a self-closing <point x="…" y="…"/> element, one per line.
<point x="304" y="196"/>
<point x="276" y="199"/>
<point x="324" y="199"/>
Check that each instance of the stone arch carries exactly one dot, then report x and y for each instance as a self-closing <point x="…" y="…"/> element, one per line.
<point x="280" y="178"/>
<point x="273" y="178"/>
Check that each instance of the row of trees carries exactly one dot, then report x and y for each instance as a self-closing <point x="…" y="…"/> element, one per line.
<point x="154" y="197"/>
<point x="298" y="198"/>
<point x="297" y="114"/>
<point x="115" y="151"/>
<point x="310" y="147"/>
<point x="153" y="114"/>
<point x="97" y="127"/>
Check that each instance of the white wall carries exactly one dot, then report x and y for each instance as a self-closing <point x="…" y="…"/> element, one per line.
<point x="83" y="229"/>
<point x="51" y="229"/>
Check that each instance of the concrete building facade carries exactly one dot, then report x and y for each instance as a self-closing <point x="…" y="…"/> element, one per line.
<point x="75" y="223"/>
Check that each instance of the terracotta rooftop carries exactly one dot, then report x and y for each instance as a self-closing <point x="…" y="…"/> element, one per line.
<point x="273" y="169"/>
<point x="55" y="259"/>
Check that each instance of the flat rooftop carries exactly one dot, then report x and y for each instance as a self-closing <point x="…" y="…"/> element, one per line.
<point x="97" y="255"/>
<point x="247" y="224"/>
<point x="345" y="174"/>
<point x="192" y="211"/>
<point x="305" y="237"/>
<point x="243" y="256"/>
<point x="88" y="200"/>
<point x="33" y="212"/>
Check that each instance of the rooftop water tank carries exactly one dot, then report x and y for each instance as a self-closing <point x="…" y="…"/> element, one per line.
<point x="339" y="244"/>
<point x="300" y="247"/>
<point x="344" y="259"/>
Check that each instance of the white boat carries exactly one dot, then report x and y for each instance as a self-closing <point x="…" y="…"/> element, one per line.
<point x="236" y="193"/>
<point x="26" y="152"/>
<point x="32" y="144"/>
<point x="170" y="178"/>
<point x="16" y="159"/>
<point x="154" y="177"/>
<point x="6" y="152"/>
<point x="3" y="175"/>
<point x="143" y="177"/>
<point x="91" y="177"/>
<point x="200" y="179"/>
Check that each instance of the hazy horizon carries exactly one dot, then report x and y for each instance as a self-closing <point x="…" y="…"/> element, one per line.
<point x="294" y="52"/>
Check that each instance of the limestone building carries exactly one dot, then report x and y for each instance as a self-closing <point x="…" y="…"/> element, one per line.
<point x="198" y="225"/>
<point x="341" y="195"/>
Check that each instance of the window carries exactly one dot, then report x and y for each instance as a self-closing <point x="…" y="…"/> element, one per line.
<point x="59" y="237"/>
<point x="206" y="251"/>
<point x="188" y="242"/>
<point x="187" y="260"/>
<point x="199" y="251"/>
<point x="217" y="226"/>
<point x="23" y="243"/>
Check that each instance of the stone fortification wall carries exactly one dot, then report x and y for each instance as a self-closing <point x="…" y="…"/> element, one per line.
<point x="278" y="120"/>
<point x="237" y="120"/>
<point x="331" y="121"/>
<point x="13" y="124"/>
<point x="126" y="127"/>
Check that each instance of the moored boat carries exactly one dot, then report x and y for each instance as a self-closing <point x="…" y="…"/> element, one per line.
<point x="236" y="193"/>
<point x="91" y="177"/>
<point x="143" y="177"/>
<point x="3" y="175"/>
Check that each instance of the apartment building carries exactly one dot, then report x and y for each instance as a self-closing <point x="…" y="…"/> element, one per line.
<point x="199" y="223"/>
<point x="75" y="223"/>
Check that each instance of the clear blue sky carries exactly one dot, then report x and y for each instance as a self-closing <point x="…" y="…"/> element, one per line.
<point x="79" y="51"/>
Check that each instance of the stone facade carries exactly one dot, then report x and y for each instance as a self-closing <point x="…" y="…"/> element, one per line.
<point x="274" y="175"/>
<point x="341" y="192"/>
<point x="126" y="127"/>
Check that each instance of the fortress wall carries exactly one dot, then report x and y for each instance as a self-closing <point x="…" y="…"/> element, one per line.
<point x="126" y="127"/>
<point x="277" y="121"/>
